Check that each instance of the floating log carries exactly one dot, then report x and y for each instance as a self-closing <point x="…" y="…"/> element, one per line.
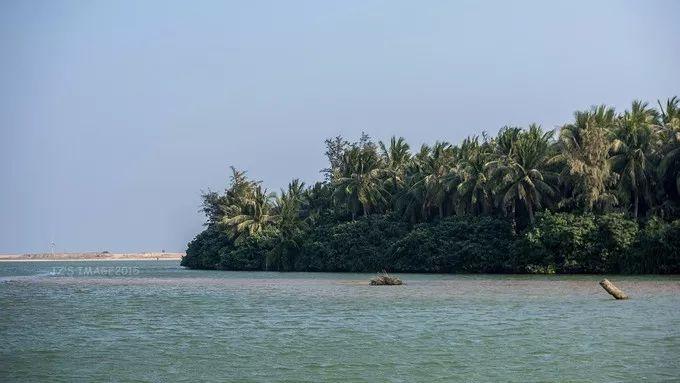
<point x="385" y="279"/>
<point x="613" y="290"/>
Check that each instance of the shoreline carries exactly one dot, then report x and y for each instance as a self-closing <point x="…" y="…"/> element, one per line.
<point x="91" y="256"/>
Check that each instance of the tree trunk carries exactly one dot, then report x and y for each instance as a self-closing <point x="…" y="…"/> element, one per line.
<point x="365" y="210"/>
<point x="514" y="220"/>
<point x="613" y="290"/>
<point x="441" y="211"/>
<point x="636" y="202"/>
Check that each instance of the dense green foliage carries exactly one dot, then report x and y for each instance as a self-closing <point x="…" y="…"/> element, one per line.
<point x="577" y="243"/>
<point x="456" y="244"/>
<point x="600" y="195"/>
<point x="351" y="246"/>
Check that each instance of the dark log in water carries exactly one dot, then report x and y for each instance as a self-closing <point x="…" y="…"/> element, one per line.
<point x="613" y="290"/>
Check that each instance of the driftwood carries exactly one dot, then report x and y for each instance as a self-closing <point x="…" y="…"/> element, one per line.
<point x="385" y="279"/>
<point x="613" y="290"/>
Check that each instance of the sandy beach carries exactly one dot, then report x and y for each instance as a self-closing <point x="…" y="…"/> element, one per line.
<point x="91" y="256"/>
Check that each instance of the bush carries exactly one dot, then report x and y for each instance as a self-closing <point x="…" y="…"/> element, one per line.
<point x="657" y="249"/>
<point x="616" y="236"/>
<point x="249" y="255"/>
<point x="358" y="246"/>
<point x="455" y="244"/>
<point x="213" y="249"/>
<point x="205" y="251"/>
<point x="576" y="243"/>
<point x="557" y="243"/>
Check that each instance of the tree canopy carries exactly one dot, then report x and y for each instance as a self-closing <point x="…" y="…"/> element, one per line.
<point x="531" y="179"/>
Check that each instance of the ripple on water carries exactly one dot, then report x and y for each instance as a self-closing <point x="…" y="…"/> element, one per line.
<point x="170" y="324"/>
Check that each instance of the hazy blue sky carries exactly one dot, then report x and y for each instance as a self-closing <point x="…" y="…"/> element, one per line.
<point x="115" y="114"/>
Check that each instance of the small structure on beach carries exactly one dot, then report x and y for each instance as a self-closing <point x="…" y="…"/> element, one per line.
<point x="385" y="279"/>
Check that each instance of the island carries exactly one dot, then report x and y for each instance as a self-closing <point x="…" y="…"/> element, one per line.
<point x="600" y="194"/>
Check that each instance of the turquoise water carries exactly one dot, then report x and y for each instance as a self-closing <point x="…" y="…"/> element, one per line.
<point x="154" y="321"/>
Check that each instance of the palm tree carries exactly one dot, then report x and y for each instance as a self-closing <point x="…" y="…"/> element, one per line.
<point x="288" y="208"/>
<point x="669" y="167"/>
<point x="411" y="197"/>
<point x="523" y="178"/>
<point x="505" y="141"/>
<point x="438" y="177"/>
<point x="290" y="225"/>
<point x="395" y="158"/>
<point x="473" y="190"/>
<point x="255" y="216"/>
<point x="316" y="200"/>
<point x="670" y="115"/>
<point x="360" y="182"/>
<point x="583" y="156"/>
<point x="632" y="153"/>
<point x="237" y="195"/>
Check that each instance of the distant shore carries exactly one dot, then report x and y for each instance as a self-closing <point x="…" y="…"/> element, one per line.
<point x="92" y="256"/>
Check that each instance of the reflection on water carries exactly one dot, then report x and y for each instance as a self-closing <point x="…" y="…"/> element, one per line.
<point x="164" y="323"/>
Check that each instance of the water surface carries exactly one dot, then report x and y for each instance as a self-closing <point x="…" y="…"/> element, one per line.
<point x="155" y="321"/>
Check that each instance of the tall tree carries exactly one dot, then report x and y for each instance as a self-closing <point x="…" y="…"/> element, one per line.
<point x="395" y="158"/>
<point x="290" y="225"/>
<point x="335" y="149"/>
<point x="410" y="200"/>
<point x="359" y="183"/>
<point x="439" y="178"/>
<point x="669" y="168"/>
<point x="633" y="152"/>
<point x="586" y="174"/>
<point x="523" y="179"/>
<point x="474" y="194"/>
<point x="255" y="215"/>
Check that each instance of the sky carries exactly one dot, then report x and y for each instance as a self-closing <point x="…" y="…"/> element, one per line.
<point x="115" y="115"/>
